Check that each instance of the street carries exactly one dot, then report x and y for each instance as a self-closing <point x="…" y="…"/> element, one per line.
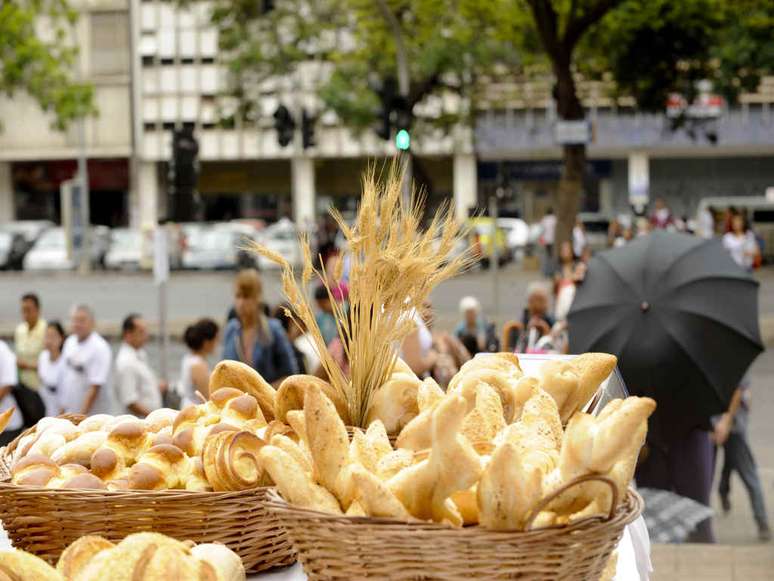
<point x="193" y="295"/>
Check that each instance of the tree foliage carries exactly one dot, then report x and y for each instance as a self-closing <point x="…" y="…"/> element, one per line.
<point x="36" y="57"/>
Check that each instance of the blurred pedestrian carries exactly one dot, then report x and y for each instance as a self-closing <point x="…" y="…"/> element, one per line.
<point x="579" y="239"/>
<point x="9" y="378"/>
<point x="253" y="338"/>
<point x="471" y="330"/>
<point x="741" y="243"/>
<point x="569" y="274"/>
<point x="536" y="319"/>
<point x="51" y="368"/>
<point x="661" y="218"/>
<point x="706" y="223"/>
<point x="547" y="240"/>
<point x="307" y="359"/>
<point x="730" y="431"/>
<point x="200" y="339"/>
<point x="326" y="320"/>
<point x="417" y="349"/>
<point x="138" y="390"/>
<point x="451" y="352"/>
<point x="28" y="341"/>
<point x="627" y="235"/>
<point x="87" y="356"/>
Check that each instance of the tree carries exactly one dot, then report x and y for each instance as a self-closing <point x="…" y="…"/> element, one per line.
<point x="42" y="66"/>
<point x="650" y="48"/>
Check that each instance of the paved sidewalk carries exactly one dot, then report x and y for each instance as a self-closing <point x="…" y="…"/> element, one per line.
<point x="713" y="563"/>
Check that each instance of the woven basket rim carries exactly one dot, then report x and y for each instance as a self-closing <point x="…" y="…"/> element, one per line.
<point x="629" y="509"/>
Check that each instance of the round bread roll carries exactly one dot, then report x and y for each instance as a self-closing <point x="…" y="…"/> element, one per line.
<point x="78" y="554"/>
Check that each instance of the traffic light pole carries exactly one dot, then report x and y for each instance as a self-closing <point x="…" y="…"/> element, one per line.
<point x="404" y="82"/>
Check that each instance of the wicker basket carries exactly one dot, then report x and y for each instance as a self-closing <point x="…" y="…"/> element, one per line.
<point x="339" y="547"/>
<point x="45" y="521"/>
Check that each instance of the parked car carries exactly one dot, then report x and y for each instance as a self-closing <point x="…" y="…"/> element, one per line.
<point x="50" y="250"/>
<point x="30" y="230"/>
<point x="282" y="238"/>
<point x="211" y="248"/>
<point x="596" y="226"/>
<point x="516" y="235"/>
<point x="13" y="247"/>
<point x="246" y="233"/>
<point x="125" y="250"/>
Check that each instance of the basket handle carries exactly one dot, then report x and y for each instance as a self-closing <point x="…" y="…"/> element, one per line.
<point x="533" y="514"/>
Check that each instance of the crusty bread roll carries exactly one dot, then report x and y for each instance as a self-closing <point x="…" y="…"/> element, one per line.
<point x="160" y="419"/>
<point x="96" y="423"/>
<point x="196" y="480"/>
<point x="79" y="553"/>
<point x="191" y="439"/>
<point x="107" y="464"/>
<point x="291" y="392"/>
<point x="61" y="426"/>
<point x="499" y="370"/>
<point x="47" y="443"/>
<point x="244" y="378"/>
<point x="79" y="450"/>
<point x="130" y="440"/>
<point x="161" y="467"/>
<point x="226" y="561"/>
<point x="34" y="470"/>
<point x="22" y="566"/>
<point x="395" y="402"/>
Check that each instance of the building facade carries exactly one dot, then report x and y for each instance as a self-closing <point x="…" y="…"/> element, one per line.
<point x="156" y="67"/>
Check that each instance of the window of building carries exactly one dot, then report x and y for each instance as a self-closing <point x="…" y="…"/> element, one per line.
<point x="109" y="43"/>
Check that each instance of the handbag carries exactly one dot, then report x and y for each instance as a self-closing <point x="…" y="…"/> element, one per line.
<point x="31" y="405"/>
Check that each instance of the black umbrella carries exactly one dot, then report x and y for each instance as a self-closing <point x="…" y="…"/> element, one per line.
<point x="679" y="313"/>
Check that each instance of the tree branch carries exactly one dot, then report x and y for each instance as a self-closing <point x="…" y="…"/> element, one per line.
<point x="577" y="26"/>
<point x="545" y="18"/>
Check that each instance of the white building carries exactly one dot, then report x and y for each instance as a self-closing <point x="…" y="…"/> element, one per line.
<point x="146" y="56"/>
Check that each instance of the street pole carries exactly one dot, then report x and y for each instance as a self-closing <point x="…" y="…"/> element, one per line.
<point x="84" y="263"/>
<point x="404" y="82"/>
<point x="494" y="261"/>
<point x="161" y="277"/>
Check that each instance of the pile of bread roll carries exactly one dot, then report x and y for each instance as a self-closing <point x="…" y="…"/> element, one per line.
<point x="200" y="448"/>
<point x="139" y="557"/>
<point x="487" y="452"/>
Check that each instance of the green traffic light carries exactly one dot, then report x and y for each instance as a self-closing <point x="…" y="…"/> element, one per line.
<point x="403" y="140"/>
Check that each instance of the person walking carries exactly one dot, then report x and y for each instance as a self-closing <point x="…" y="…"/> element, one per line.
<point x="28" y="341"/>
<point x="741" y="243"/>
<point x="471" y="330"/>
<point x="87" y="357"/>
<point x="731" y="433"/>
<point x="579" y="238"/>
<point x="255" y="339"/>
<point x="547" y="239"/>
<point x="201" y="339"/>
<point x="307" y="359"/>
<point x="661" y="218"/>
<point x="137" y="388"/>
<point x="51" y="368"/>
<point x="9" y="378"/>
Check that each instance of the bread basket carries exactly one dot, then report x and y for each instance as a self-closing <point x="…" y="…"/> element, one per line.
<point x="45" y="521"/>
<point x="339" y="547"/>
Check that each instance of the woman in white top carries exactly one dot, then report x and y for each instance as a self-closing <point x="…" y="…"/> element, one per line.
<point x="201" y="339"/>
<point x="51" y="366"/>
<point x="741" y="243"/>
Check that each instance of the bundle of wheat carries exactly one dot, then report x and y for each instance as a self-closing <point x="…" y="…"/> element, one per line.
<point x="394" y="265"/>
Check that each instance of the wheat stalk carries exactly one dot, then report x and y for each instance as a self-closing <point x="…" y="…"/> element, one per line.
<point x="394" y="265"/>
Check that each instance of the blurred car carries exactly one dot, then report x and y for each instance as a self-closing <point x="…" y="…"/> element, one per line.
<point x="282" y="238"/>
<point x="125" y="250"/>
<point x="246" y="233"/>
<point x="13" y="247"/>
<point x="596" y="226"/>
<point x="211" y="248"/>
<point x="480" y="230"/>
<point x="516" y="234"/>
<point x="30" y="230"/>
<point x="50" y="250"/>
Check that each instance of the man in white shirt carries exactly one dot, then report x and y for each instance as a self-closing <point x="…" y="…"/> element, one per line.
<point x="87" y="356"/>
<point x="28" y="341"/>
<point x="137" y="388"/>
<point x="8" y="379"/>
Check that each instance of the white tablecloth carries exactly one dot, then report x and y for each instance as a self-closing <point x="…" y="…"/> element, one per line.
<point x="633" y="559"/>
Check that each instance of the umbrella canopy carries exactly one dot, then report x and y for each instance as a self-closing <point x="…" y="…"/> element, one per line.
<point x="679" y="313"/>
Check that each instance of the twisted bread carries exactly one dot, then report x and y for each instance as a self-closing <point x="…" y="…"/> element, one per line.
<point x="231" y="461"/>
<point x="34" y="470"/>
<point x="499" y="370"/>
<point x="160" y="419"/>
<point x="96" y="423"/>
<point x="197" y="479"/>
<point x="191" y="439"/>
<point x="129" y="440"/>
